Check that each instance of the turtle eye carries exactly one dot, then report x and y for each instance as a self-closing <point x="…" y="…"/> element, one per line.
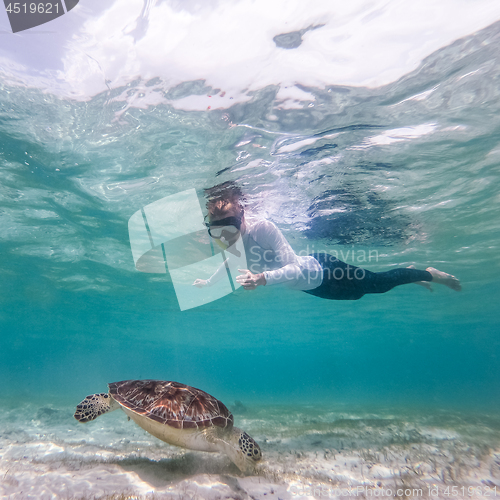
<point x="257" y="455"/>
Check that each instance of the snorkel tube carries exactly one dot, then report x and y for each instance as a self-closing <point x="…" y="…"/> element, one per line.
<point x="222" y="244"/>
<point x="229" y="242"/>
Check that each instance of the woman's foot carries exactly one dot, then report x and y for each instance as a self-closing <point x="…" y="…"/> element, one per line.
<point x="425" y="284"/>
<point x="445" y="279"/>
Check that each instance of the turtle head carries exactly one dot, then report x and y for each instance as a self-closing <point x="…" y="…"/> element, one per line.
<point x="243" y="451"/>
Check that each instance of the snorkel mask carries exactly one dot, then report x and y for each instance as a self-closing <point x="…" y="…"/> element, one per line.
<point x="222" y="231"/>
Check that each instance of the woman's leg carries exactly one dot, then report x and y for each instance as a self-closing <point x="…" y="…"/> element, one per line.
<point x="385" y="281"/>
<point x="343" y="281"/>
<point x="445" y="279"/>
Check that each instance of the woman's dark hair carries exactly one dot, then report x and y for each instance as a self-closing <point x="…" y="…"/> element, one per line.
<point x="224" y="197"/>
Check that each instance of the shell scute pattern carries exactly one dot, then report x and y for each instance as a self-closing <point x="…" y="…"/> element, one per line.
<point x="172" y="403"/>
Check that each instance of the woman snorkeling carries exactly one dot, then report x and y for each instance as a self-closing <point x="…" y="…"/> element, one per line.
<point x="271" y="260"/>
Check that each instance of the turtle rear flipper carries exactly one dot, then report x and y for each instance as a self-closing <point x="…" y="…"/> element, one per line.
<point x="93" y="406"/>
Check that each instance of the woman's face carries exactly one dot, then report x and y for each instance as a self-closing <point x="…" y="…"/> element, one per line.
<point x="229" y="233"/>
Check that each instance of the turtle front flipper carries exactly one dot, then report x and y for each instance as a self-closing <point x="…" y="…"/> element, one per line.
<point x="93" y="406"/>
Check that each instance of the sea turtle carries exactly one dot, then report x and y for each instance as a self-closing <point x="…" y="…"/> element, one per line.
<point x="177" y="414"/>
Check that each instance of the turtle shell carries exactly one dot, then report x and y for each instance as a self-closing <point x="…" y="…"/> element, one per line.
<point x="171" y="403"/>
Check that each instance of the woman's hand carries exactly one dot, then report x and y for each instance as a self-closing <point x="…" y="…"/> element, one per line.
<point x="250" y="281"/>
<point x="200" y="283"/>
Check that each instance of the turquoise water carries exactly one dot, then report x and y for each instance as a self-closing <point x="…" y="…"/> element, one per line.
<point x="76" y="314"/>
<point x="408" y="171"/>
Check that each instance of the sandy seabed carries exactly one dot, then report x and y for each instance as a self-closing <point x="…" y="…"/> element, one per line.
<point x="309" y="453"/>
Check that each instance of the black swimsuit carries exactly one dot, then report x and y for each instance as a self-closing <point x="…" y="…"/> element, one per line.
<point x="343" y="281"/>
